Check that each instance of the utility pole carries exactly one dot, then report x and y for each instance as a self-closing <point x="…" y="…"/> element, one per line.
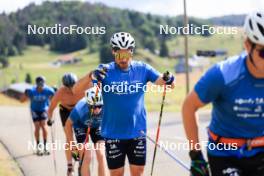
<point x="186" y="54"/>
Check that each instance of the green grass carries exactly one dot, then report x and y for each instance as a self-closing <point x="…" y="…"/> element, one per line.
<point x="232" y="43"/>
<point x="37" y="61"/>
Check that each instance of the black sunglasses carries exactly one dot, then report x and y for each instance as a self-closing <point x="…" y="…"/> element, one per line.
<point x="261" y="52"/>
<point x="97" y="106"/>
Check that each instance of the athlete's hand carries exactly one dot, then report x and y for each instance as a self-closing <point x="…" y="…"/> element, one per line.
<point x="75" y="154"/>
<point x="50" y="122"/>
<point x="168" y="77"/>
<point x="199" y="167"/>
<point x="100" y="73"/>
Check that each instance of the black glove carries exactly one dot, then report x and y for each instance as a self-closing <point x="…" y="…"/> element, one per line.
<point x="100" y="73"/>
<point x="199" y="167"/>
<point x="50" y="122"/>
<point x="168" y="77"/>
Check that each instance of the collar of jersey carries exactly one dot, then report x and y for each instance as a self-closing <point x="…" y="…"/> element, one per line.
<point x="121" y="70"/>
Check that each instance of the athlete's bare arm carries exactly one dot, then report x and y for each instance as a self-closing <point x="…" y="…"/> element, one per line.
<point x="53" y="103"/>
<point x="83" y="84"/>
<point x="68" y="130"/>
<point x="190" y="106"/>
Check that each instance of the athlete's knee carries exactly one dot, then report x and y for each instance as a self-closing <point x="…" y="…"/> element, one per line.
<point x="136" y="170"/>
<point x="117" y="172"/>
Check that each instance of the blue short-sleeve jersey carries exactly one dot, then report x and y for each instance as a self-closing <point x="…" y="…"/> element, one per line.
<point x="238" y="101"/>
<point x="39" y="101"/>
<point x="123" y="95"/>
<point x="81" y="116"/>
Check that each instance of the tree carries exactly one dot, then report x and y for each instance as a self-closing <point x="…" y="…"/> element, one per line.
<point x="28" y="78"/>
<point x="151" y="44"/>
<point x="164" y="51"/>
<point x="4" y="61"/>
<point x="105" y="54"/>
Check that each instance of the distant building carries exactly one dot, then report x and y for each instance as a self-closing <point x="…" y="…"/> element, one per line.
<point x="17" y="90"/>
<point x="211" y="53"/>
<point x="66" y="60"/>
<point x="195" y="63"/>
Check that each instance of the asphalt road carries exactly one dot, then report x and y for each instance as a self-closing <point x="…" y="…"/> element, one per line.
<point x="15" y="133"/>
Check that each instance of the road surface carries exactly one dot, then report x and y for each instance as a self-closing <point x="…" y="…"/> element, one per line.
<point x="15" y="133"/>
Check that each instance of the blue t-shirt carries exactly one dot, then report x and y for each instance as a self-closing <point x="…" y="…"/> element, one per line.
<point x="238" y="102"/>
<point x="81" y="116"/>
<point x="123" y="95"/>
<point x="39" y="101"/>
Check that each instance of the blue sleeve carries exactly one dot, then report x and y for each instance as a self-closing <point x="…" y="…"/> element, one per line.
<point x="151" y="73"/>
<point x="51" y="92"/>
<point x="74" y="116"/>
<point x="210" y="85"/>
<point x="28" y="92"/>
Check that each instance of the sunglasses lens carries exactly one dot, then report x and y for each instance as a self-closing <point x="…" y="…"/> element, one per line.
<point x="261" y="53"/>
<point x="98" y="106"/>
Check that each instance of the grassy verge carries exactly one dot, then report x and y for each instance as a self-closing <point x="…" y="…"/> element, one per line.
<point x="8" y="167"/>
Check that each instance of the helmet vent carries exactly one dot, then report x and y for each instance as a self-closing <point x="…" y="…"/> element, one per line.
<point x="250" y="24"/>
<point x="120" y="43"/>
<point x="259" y="15"/>
<point x="261" y="29"/>
<point x="256" y="37"/>
<point x="114" y="43"/>
<point x="123" y="39"/>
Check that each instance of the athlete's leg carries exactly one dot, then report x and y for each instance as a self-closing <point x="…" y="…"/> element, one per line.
<point x="64" y="114"/>
<point x="136" y="170"/>
<point x="68" y="152"/>
<point x="224" y="166"/>
<point x="137" y="156"/>
<point x="36" y="132"/>
<point x="99" y="146"/>
<point x="117" y="172"/>
<point x="44" y="130"/>
<point x="253" y="166"/>
<point x="100" y="155"/>
<point x="115" y="156"/>
<point x="86" y="161"/>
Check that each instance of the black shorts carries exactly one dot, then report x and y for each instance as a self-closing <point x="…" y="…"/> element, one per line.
<point x="95" y="134"/>
<point x="39" y="115"/>
<point x="117" y="150"/>
<point x="232" y="166"/>
<point x="64" y="114"/>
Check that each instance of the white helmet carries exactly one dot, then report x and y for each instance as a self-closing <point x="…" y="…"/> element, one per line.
<point x="122" y="40"/>
<point x="92" y="98"/>
<point x="254" y="27"/>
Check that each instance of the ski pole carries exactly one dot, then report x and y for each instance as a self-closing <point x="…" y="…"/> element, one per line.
<point x="158" y="130"/>
<point x="185" y="166"/>
<point x="53" y="151"/>
<point x="31" y="130"/>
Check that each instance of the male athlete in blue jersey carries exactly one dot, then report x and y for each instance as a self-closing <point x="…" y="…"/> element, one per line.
<point x="39" y="96"/>
<point x="235" y="87"/>
<point x="123" y="87"/>
<point x="88" y="113"/>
